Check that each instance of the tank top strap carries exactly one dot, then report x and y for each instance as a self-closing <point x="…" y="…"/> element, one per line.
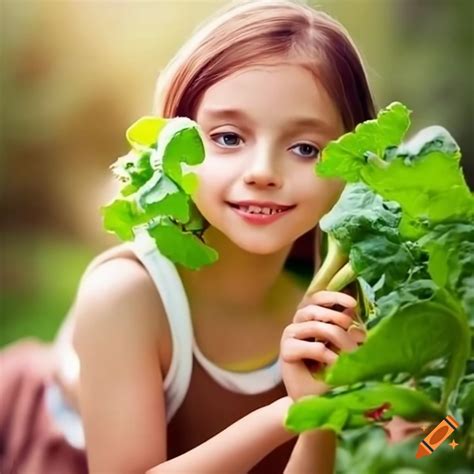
<point x="173" y="295"/>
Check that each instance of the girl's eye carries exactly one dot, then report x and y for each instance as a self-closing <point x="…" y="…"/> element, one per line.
<point x="308" y="147"/>
<point x="223" y="135"/>
<point x="234" y="137"/>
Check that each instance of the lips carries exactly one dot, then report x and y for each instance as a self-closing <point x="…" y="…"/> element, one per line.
<point x="258" y="218"/>
<point x="247" y="204"/>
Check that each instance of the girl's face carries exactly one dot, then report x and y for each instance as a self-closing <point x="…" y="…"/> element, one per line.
<point x="260" y="152"/>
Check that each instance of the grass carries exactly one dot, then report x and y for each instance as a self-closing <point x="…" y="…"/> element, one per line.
<point x="40" y="278"/>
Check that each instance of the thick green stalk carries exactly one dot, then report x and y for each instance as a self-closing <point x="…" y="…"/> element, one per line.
<point x="342" y="278"/>
<point x="334" y="261"/>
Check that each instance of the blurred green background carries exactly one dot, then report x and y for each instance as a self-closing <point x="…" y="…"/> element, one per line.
<point x="75" y="74"/>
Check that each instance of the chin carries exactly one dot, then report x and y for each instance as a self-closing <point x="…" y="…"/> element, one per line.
<point x="257" y="240"/>
<point x="259" y="245"/>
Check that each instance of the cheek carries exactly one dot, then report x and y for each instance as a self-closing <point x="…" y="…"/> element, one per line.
<point x="334" y="191"/>
<point x="211" y="185"/>
<point x="323" y="195"/>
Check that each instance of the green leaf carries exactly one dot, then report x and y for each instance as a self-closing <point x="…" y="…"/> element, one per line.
<point x="174" y="205"/>
<point x="122" y="215"/>
<point x="185" y="147"/>
<point x="425" y="178"/>
<point x="354" y="408"/>
<point x="189" y="183"/>
<point x="316" y="412"/>
<point x="182" y="247"/>
<point x="359" y="211"/>
<point x="156" y="194"/>
<point x="161" y="196"/>
<point x="404" y="342"/>
<point x="366" y="300"/>
<point x="366" y="227"/>
<point x="423" y="175"/>
<point x="143" y="134"/>
<point x="196" y="220"/>
<point x="415" y="292"/>
<point x="118" y="217"/>
<point x="451" y="260"/>
<point x="346" y="157"/>
<point x="376" y="255"/>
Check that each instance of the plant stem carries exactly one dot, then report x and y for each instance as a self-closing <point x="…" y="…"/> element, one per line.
<point x="376" y="160"/>
<point x="342" y="278"/>
<point x="335" y="259"/>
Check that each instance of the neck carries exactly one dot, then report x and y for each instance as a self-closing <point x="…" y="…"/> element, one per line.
<point x="241" y="283"/>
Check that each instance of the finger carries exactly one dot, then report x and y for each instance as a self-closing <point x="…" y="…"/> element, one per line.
<point x="350" y="312"/>
<point x="331" y="298"/>
<point x="297" y="372"/>
<point x="320" y="313"/>
<point x="357" y="334"/>
<point x="294" y="350"/>
<point x="323" y="332"/>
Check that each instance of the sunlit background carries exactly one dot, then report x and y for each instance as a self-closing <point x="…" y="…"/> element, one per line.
<point x="76" y="74"/>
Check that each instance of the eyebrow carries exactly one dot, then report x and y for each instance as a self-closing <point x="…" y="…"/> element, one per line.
<point x="240" y="114"/>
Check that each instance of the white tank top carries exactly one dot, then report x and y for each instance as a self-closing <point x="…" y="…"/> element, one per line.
<point x="176" y="383"/>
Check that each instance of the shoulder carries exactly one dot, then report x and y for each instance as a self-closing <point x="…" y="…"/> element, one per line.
<point x="118" y="294"/>
<point x="118" y="276"/>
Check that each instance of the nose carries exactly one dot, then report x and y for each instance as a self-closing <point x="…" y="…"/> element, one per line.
<point x="262" y="170"/>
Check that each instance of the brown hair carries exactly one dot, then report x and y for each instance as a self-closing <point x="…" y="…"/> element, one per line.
<point x="255" y="32"/>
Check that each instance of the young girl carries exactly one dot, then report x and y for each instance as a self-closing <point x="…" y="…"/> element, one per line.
<point x="193" y="371"/>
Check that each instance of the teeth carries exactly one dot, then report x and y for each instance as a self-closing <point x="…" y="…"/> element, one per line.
<point x="259" y="210"/>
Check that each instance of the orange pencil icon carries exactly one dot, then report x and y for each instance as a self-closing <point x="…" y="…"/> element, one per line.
<point x="436" y="436"/>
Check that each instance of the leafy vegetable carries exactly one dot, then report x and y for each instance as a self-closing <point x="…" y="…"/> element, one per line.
<point x="156" y="197"/>
<point x="355" y="408"/>
<point x="403" y="233"/>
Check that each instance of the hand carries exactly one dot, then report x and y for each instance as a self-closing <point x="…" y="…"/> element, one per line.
<point x="317" y="333"/>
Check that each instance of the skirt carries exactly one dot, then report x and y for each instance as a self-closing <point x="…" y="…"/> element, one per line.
<point x="31" y="442"/>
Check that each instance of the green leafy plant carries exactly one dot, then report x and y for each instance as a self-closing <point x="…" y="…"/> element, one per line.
<point x="156" y="195"/>
<point x="402" y="233"/>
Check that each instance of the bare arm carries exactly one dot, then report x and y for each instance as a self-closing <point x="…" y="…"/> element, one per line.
<point x="121" y="395"/>
<point x="239" y="447"/>
<point x="314" y="452"/>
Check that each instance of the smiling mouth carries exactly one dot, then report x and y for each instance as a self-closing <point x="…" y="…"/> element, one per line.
<point x="267" y="212"/>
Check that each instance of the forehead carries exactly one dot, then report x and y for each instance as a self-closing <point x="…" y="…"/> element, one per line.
<point x="267" y="92"/>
